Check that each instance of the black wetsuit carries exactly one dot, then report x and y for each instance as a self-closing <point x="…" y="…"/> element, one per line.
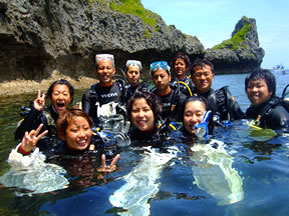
<point x="221" y="102"/>
<point x="155" y="137"/>
<point x="273" y="117"/>
<point x="184" y="88"/>
<point x="131" y="89"/>
<point x="98" y="95"/>
<point x="48" y="117"/>
<point x="174" y="99"/>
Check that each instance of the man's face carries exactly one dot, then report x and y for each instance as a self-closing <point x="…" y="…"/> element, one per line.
<point x="180" y="68"/>
<point x="105" y="71"/>
<point x="258" y="92"/>
<point x="133" y="75"/>
<point x="203" y="78"/>
<point x="161" y="80"/>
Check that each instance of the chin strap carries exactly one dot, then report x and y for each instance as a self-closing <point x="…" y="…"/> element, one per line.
<point x="201" y="129"/>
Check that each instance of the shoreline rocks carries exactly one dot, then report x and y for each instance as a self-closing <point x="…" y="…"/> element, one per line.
<point x="39" y="37"/>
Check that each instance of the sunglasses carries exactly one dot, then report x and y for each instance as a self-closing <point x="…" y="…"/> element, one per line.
<point x="160" y="65"/>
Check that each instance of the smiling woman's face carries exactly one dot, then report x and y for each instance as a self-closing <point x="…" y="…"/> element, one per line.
<point x="60" y="98"/>
<point x="193" y="114"/>
<point x="142" y="115"/>
<point x="78" y="133"/>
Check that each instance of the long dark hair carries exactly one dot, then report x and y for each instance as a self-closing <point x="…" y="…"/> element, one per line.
<point x="152" y="100"/>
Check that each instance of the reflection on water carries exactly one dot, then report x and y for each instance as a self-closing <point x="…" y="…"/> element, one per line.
<point x="184" y="185"/>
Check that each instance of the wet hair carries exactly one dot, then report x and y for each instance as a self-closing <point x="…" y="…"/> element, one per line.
<point x="202" y="63"/>
<point x="61" y="82"/>
<point x="185" y="57"/>
<point x="133" y="63"/>
<point x="262" y="74"/>
<point x="63" y="121"/>
<point x="152" y="100"/>
<point x="196" y="98"/>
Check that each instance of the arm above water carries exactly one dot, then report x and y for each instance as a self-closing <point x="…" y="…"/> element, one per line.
<point x="22" y="156"/>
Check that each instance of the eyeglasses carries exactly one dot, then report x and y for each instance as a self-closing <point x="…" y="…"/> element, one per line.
<point x="160" y="64"/>
<point x="104" y="56"/>
<point x="134" y="63"/>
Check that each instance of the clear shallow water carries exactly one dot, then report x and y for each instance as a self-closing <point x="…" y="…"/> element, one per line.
<point x="262" y="164"/>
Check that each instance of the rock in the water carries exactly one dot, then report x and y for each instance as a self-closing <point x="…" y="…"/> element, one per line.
<point x="241" y="53"/>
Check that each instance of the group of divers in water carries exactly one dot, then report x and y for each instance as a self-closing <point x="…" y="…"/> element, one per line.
<point x="129" y="113"/>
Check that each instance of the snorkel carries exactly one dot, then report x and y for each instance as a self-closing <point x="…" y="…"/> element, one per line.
<point x="201" y="129"/>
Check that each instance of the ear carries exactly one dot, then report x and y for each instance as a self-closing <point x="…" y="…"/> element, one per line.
<point x="170" y="77"/>
<point x="113" y="71"/>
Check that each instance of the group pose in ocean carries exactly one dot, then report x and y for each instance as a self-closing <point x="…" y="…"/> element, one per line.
<point x="136" y="114"/>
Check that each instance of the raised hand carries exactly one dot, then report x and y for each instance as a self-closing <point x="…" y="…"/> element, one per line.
<point x="39" y="102"/>
<point x="109" y="168"/>
<point x="31" y="138"/>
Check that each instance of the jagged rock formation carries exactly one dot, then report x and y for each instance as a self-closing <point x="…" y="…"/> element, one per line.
<point x="39" y="36"/>
<point x="241" y="53"/>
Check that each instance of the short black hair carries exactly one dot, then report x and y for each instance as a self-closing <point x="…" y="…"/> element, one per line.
<point x="202" y="63"/>
<point x="61" y="82"/>
<point x="152" y="100"/>
<point x="262" y="74"/>
<point x="185" y="57"/>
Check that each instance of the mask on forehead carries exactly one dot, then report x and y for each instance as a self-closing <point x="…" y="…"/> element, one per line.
<point x="160" y="65"/>
<point x="104" y="56"/>
<point x="133" y="63"/>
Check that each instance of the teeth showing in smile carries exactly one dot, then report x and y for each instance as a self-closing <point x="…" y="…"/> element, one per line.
<point x="82" y="142"/>
<point x="141" y="122"/>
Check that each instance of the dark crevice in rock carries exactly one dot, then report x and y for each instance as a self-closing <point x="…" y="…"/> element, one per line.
<point x="38" y="37"/>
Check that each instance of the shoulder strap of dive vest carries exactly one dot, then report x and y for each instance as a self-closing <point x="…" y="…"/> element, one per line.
<point x="222" y="102"/>
<point x="275" y="101"/>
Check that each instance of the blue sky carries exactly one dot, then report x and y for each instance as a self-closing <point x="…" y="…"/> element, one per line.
<point x="213" y="21"/>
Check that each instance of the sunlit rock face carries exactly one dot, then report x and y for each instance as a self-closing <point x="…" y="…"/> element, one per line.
<point x="241" y="53"/>
<point x="39" y="36"/>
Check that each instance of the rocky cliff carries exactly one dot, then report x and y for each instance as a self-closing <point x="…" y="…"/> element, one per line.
<point x="239" y="54"/>
<point x="41" y="36"/>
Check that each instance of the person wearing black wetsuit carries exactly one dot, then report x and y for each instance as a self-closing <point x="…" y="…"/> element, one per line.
<point x="181" y="66"/>
<point x="221" y="102"/>
<point x="266" y="107"/>
<point x="61" y="94"/>
<point x="133" y="75"/>
<point x="171" y="98"/>
<point x="143" y="110"/>
<point x="74" y="128"/>
<point x="106" y="92"/>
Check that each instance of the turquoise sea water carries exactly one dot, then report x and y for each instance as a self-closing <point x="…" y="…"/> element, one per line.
<point x="248" y="176"/>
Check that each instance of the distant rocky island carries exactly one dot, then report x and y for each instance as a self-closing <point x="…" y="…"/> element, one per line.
<point x="39" y="37"/>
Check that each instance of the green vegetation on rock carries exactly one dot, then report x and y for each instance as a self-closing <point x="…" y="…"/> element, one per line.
<point x="236" y="41"/>
<point x="134" y="7"/>
<point x="147" y="33"/>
